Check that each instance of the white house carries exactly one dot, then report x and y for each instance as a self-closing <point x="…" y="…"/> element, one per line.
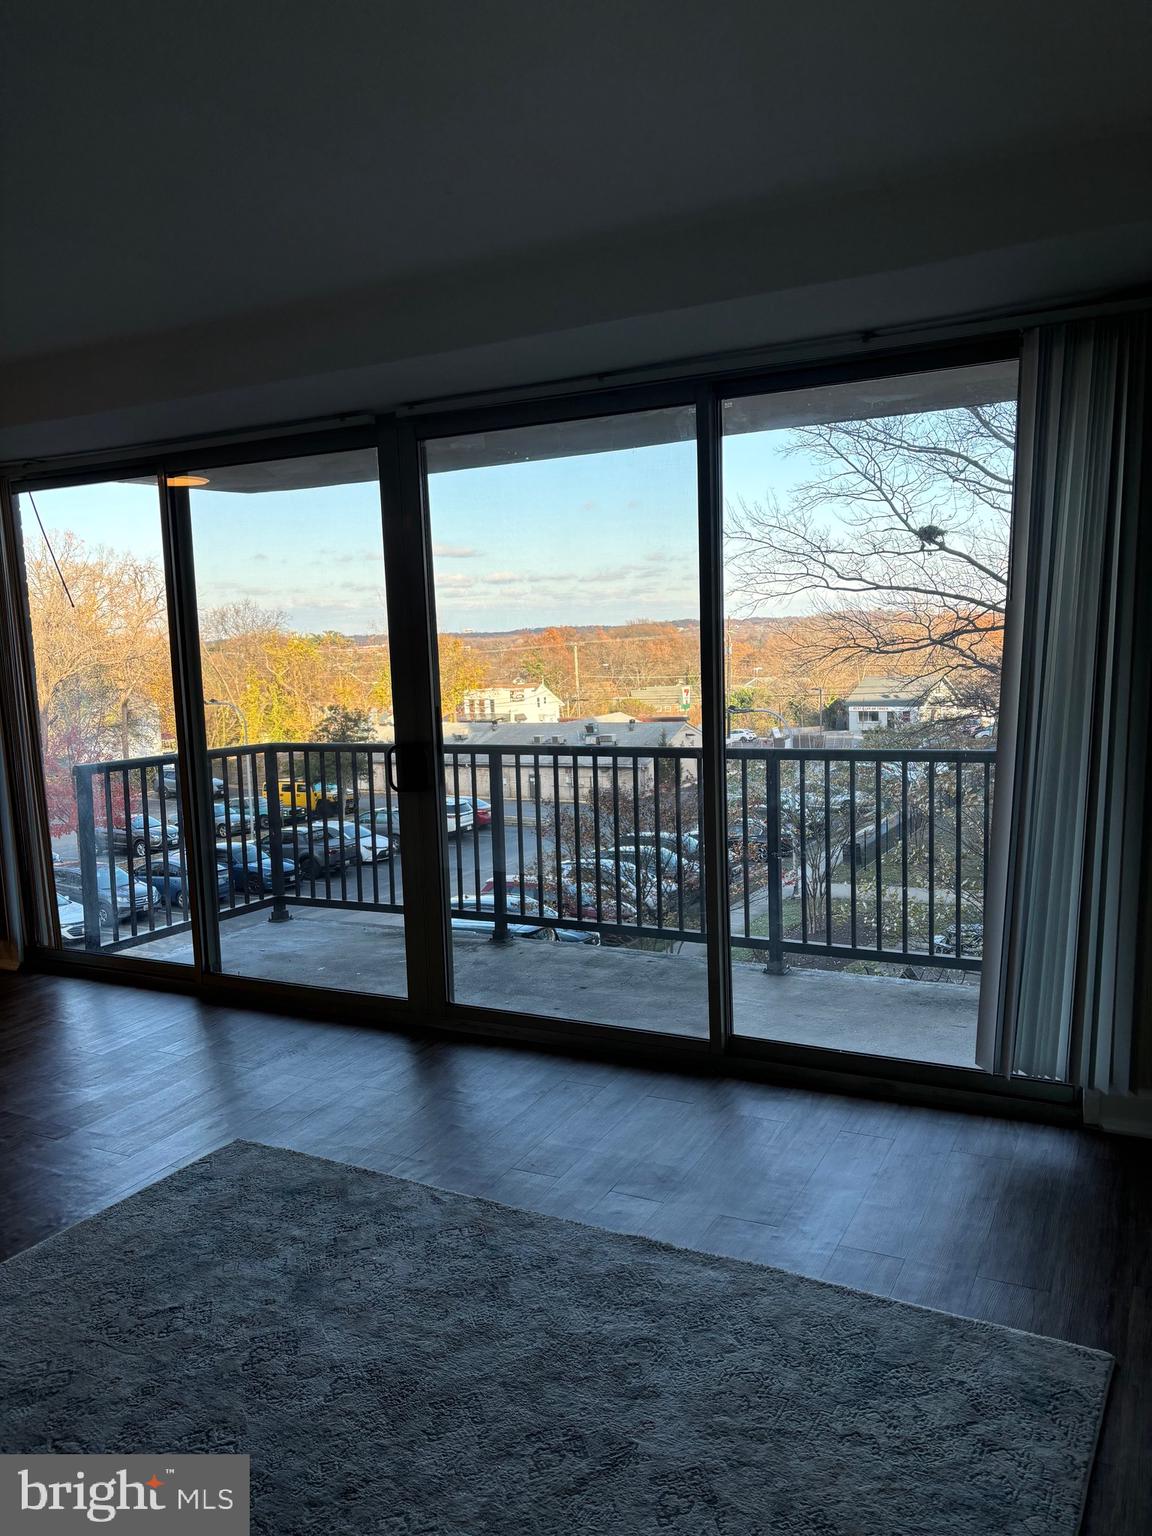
<point x="520" y="703"/>
<point x="879" y="702"/>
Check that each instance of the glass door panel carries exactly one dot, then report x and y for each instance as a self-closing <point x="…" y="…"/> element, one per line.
<point x="567" y="598"/>
<point x="867" y="532"/>
<point x="94" y="567"/>
<point x="296" y="672"/>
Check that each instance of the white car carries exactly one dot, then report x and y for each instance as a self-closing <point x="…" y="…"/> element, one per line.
<point x="71" y="915"/>
<point x="741" y="738"/>
<point x="368" y="850"/>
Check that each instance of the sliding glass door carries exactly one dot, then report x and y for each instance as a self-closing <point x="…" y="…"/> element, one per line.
<point x="297" y="771"/>
<point x="866" y="555"/>
<point x="568" y="616"/>
<point x="98" y="616"/>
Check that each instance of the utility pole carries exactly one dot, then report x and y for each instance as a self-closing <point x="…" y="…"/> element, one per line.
<point x="576" y="673"/>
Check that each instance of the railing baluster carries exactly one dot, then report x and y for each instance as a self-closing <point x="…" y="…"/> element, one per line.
<point x="658" y="851"/>
<point x="129" y="856"/>
<point x="801" y="823"/>
<point x="556" y="833"/>
<point x="147" y="824"/>
<point x="616" y="837"/>
<point x="279" y="912"/>
<point x="499" y="852"/>
<point x="879" y="858"/>
<point x="775" y="965"/>
<point x="905" y="833"/>
<point x="453" y="825"/>
<point x="744" y="842"/>
<point x="113" y="893"/>
<point x="597" y="843"/>
<point x="536" y="796"/>
<point x="932" y="856"/>
<point x="852" y="848"/>
<point x="517" y="768"/>
<point x="493" y="790"/>
<point x="959" y="853"/>
<point x="828" y="930"/>
<point x="680" y="862"/>
<point x="641" y="903"/>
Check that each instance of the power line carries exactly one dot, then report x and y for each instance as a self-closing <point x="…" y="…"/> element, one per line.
<point x="51" y="551"/>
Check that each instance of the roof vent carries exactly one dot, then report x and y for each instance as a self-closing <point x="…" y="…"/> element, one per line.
<point x="590" y="728"/>
<point x="537" y="740"/>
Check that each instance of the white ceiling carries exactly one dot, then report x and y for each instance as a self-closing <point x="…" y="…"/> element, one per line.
<point x="219" y="214"/>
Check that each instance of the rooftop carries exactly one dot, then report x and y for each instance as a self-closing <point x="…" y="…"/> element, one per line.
<point x="575" y="733"/>
<point x="888" y="690"/>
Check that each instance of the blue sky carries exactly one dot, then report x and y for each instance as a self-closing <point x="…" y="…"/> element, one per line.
<point x="595" y="539"/>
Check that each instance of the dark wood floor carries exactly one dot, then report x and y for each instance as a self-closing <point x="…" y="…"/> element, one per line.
<point x="105" y="1089"/>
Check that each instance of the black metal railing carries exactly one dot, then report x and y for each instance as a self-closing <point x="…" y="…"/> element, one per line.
<point x="862" y="854"/>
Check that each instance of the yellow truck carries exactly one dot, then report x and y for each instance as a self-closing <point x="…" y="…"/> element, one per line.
<point x="298" y="799"/>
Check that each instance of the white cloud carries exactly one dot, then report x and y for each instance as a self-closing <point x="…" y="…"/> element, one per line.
<point x="454" y="552"/>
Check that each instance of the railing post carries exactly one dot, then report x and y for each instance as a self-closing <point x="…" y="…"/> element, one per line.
<point x="775" y="965"/>
<point x="499" y="850"/>
<point x="279" y="912"/>
<point x="86" y="848"/>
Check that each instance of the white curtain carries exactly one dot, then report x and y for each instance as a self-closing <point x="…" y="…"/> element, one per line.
<point x="1073" y="963"/>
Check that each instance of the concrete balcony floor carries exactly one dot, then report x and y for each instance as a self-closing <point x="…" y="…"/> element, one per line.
<point x="364" y="952"/>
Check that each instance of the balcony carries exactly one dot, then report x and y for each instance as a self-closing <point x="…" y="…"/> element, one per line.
<point x="855" y="882"/>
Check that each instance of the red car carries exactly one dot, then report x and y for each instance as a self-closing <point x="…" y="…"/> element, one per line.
<point x="482" y="810"/>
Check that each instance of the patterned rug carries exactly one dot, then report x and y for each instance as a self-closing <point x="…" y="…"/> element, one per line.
<point x="400" y="1360"/>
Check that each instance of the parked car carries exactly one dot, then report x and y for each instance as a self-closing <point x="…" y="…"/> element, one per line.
<point x="250" y="867"/>
<point x="71" y="915"/>
<point x="742" y="737"/>
<point x="386" y="820"/>
<point x="229" y="819"/>
<point x="168" y="878"/>
<point x="251" y="810"/>
<point x="481" y="810"/>
<point x="142" y="834"/>
<point x="459" y="815"/>
<point x="517" y="925"/>
<point x="316" y="847"/>
<point x="971" y="940"/>
<point x="657" y="877"/>
<point x="628" y="908"/>
<point x="117" y="893"/>
<point x="688" y="845"/>
<point x="168" y="785"/>
<point x="366" y="847"/>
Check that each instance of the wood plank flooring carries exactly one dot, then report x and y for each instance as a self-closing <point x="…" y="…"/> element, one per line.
<point x="105" y="1089"/>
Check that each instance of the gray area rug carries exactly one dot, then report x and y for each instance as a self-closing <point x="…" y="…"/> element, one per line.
<point x="403" y="1361"/>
